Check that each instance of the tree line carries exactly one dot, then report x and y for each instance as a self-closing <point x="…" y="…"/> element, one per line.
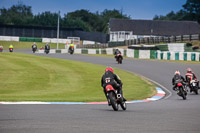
<point x="21" y="14"/>
<point x="190" y="12"/>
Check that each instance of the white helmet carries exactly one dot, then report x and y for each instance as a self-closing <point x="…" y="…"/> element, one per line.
<point x="177" y="72"/>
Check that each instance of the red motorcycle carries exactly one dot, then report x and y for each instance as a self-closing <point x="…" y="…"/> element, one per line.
<point x="11" y="49"/>
<point x="181" y="91"/>
<point x="114" y="98"/>
<point x="119" y="58"/>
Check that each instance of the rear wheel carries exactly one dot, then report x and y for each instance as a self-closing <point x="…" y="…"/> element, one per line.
<point x="113" y="101"/>
<point x="120" y="60"/>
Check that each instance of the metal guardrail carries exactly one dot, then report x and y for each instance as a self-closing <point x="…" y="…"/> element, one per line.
<point x="172" y="39"/>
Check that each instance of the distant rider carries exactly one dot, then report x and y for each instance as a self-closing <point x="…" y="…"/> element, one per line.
<point x="191" y="76"/>
<point x="11" y="46"/>
<point x="116" y="53"/>
<point x="71" y="46"/>
<point x="109" y="78"/>
<point x="47" y="47"/>
<point x="34" y="46"/>
<point x="177" y="79"/>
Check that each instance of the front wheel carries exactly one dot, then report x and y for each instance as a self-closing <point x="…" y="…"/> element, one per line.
<point x="183" y="93"/>
<point x="123" y="105"/>
<point x="113" y="101"/>
<point x="196" y="90"/>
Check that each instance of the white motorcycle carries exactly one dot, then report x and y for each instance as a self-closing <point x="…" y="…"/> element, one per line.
<point x="193" y="86"/>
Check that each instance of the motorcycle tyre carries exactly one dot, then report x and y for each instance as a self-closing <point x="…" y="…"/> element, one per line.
<point x="113" y="101"/>
<point x="123" y="105"/>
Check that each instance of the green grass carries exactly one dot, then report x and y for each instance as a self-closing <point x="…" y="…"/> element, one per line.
<point x="25" y="45"/>
<point x="26" y="77"/>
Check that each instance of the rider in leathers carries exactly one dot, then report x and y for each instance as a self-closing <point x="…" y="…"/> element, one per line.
<point x="109" y="78"/>
<point x="177" y="79"/>
<point x="191" y="76"/>
<point x="116" y="53"/>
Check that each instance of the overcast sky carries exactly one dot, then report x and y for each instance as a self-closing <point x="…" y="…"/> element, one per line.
<point x="136" y="9"/>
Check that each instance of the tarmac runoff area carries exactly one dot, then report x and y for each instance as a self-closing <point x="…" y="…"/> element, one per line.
<point x="160" y="94"/>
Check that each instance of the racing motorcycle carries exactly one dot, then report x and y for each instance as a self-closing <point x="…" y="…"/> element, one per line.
<point x="34" y="49"/>
<point x="193" y="86"/>
<point x="47" y="51"/>
<point x="181" y="91"/>
<point x="115" y="99"/>
<point x="119" y="58"/>
<point x="71" y="50"/>
<point x="11" y="49"/>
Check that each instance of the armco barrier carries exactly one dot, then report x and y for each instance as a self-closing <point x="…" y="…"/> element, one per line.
<point x="141" y="54"/>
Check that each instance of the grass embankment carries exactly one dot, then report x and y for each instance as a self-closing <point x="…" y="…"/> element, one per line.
<point x="26" y="45"/>
<point x="33" y="78"/>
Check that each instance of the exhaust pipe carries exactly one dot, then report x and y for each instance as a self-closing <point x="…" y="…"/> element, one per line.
<point x="119" y="96"/>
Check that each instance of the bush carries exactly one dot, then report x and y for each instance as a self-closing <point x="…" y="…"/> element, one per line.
<point x="194" y="48"/>
<point x="188" y="44"/>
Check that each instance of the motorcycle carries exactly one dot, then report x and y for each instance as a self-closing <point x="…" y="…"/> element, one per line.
<point x="181" y="91"/>
<point x="46" y="51"/>
<point x="11" y="49"/>
<point x="193" y="86"/>
<point x="71" y="50"/>
<point x="119" y="58"/>
<point x="34" y="49"/>
<point x="115" y="99"/>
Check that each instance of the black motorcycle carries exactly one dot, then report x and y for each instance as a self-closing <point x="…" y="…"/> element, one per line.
<point x="34" y="48"/>
<point x="193" y="86"/>
<point x="47" y="51"/>
<point x="181" y="91"/>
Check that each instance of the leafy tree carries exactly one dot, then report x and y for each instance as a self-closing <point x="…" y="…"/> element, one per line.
<point x="190" y="12"/>
<point x="74" y="23"/>
<point x="19" y="14"/>
<point x="192" y="9"/>
<point x="22" y="15"/>
<point x="46" y="19"/>
<point x="108" y="14"/>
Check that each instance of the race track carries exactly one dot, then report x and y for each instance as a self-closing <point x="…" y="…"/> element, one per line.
<point x="169" y="115"/>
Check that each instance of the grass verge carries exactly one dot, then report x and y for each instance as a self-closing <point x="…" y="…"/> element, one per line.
<point x="26" y="77"/>
<point x="25" y="45"/>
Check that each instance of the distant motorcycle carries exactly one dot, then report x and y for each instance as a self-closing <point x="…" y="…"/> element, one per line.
<point x="114" y="98"/>
<point x="47" y="51"/>
<point x="71" y="50"/>
<point x="34" y="48"/>
<point x="181" y="91"/>
<point x="119" y="58"/>
<point x="193" y="86"/>
<point x="11" y="49"/>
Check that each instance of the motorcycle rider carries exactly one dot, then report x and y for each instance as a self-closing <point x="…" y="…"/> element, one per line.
<point x="191" y="76"/>
<point x="177" y="79"/>
<point x="71" y="46"/>
<point x="47" y="47"/>
<point x="11" y="46"/>
<point x="117" y="51"/>
<point x="109" y="78"/>
<point x="34" y="46"/>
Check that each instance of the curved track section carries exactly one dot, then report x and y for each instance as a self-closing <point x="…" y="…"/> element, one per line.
<point x="172" y="115"/>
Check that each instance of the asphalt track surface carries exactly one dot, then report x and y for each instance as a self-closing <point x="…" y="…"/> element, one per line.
<point x="169" y="115"/>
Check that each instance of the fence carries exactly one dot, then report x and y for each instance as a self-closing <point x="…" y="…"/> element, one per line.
<point x="93" y="46"/>
<point x="153" y="40"/>
<point x="51" y="32"/>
